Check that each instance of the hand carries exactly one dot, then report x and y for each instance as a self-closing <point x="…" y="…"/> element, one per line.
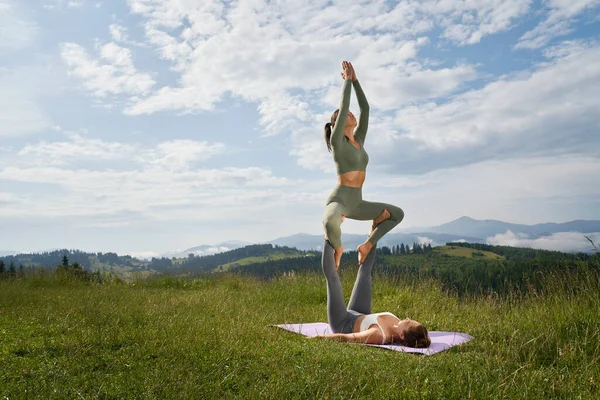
<point x="347" y="72"/>
<point x="353" y="71"/>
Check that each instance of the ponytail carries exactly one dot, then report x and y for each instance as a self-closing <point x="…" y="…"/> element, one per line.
<point x="329" y="127"/>
<point x="328" y="135"/>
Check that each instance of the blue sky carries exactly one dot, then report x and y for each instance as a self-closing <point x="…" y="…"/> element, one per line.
<point x="145" y="126"/>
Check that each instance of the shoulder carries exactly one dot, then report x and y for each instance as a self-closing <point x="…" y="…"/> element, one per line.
<point x="370" y="336"/>
<point x="388" y="313"/>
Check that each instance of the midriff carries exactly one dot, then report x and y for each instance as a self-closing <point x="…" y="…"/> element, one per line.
<point x="353" y="179"/>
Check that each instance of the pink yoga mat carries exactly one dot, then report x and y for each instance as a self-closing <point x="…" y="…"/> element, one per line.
<point x="439" y="340"/>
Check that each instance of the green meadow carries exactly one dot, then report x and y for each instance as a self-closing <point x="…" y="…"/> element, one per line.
<point x="467" y="252"/>
<point x="258" y="259"/>
<point x="209" y="338"/>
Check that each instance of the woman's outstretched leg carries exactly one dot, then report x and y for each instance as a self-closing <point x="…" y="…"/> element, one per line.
<point x="360" y="300"/>
<point x="340" y="320"/>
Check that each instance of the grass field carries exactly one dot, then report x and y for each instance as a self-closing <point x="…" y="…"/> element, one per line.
<point x="466" y="252"/>
<point x="252" y="260"/>
<point x="209" y="339"/>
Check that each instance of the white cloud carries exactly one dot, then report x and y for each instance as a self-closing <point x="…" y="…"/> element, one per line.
<point x="180" y="154"/>
<point x="266" y="54"/>
<point x="561" y="241"/>
<point x="529" y="111"/>
<point x="559" y="21"/>
<point x="119" y="34"/>
<point x="159" y="194"/>
<point x="78" y="148"/>
<point x="467" y="22"/>
<point x="424" y="240"/>
<point x="525" y="190"/>
<point x="144" y="255"/>
<point x="166" y="182"/>
<point x="117" y="75"/>
<point x="60" y="4"/>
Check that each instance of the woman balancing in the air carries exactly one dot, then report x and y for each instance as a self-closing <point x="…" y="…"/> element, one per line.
<point x="347" y="145"/>
<point x="356" y="323"/>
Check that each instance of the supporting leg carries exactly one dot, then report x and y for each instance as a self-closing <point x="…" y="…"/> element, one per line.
<point x="337" y="313"/>
<point x="360" y="299"/>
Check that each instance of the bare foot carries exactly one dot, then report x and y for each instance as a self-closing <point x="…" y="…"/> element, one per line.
<point x="363" y="251"/>
<point x="338" y="256"/>
<point x="382" y="217"/>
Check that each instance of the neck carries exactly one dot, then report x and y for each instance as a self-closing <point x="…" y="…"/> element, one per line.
<point x="349" y="133"/>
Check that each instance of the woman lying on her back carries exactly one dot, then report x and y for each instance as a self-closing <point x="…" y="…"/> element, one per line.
<point x="356" y="323"/>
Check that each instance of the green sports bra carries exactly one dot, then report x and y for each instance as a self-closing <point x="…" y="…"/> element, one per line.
<point x="347" y="157"/>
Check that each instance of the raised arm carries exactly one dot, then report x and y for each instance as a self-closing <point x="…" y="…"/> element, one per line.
<point x="363" y="121"/>
<point x="337" y="134"/>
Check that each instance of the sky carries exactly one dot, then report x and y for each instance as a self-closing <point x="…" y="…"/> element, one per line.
<point x="146" y="126"/>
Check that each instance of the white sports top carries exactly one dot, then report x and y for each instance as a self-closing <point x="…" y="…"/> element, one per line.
<point x="371" y="319"/>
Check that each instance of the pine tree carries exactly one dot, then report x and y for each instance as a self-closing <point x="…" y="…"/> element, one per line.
<point x="402" y="249"/>
<point x="65" y="261"/>
<point x="2" y="268"/>
<point x="11" y="270"/>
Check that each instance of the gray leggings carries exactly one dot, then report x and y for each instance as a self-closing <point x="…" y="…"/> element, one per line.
<point x="341" y="319"/>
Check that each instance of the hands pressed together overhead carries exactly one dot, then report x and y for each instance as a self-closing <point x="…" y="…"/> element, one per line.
<point x="348" y="71"/>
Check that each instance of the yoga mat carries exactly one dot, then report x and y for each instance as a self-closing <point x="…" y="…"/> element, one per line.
<point x="440" y="341"/>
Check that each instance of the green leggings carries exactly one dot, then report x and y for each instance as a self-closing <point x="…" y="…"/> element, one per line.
<point x="348" y="200"/>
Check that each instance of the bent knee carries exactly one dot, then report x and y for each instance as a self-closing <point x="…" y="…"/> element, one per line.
<point x="332" y="226"/>
<point x="396" y="213"/>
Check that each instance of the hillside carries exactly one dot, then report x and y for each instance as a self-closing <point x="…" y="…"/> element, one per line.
<point x="459" y="251"/>
<point x="462" y="267"/>
<point x="465" y="267"/>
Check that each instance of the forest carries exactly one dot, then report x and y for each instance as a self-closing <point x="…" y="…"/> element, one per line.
<point x="478" y="268"/>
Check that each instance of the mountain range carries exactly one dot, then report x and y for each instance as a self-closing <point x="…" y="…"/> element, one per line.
<point x="464" y="229"/>
<point x="567" y="237"/>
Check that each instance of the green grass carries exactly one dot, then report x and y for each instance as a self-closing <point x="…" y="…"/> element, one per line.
<point x="208" y="338"/>
<point x="257" y="259"/>
<point x="466" y="252"/>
